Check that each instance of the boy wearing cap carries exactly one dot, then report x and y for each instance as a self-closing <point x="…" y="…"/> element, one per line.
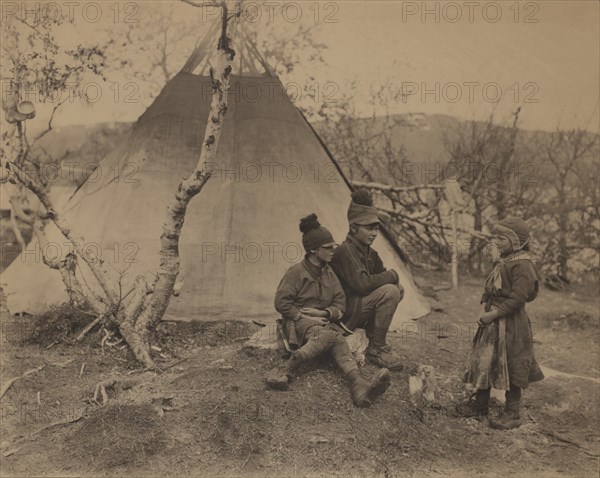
<point x="311" y="297"/>
<point x="372" y="292"/>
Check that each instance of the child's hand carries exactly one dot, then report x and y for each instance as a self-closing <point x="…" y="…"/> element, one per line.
<point x="321" y="320"/>
<point x="488" y="317"/>
<point x="311" y="312"/>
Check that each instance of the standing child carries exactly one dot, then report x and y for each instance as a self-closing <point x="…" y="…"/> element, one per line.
<point x="502" y="355"/>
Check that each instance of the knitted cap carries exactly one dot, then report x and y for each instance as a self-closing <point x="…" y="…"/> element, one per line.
<point x="516" y="229"/>
<point x="313" y="234"/>
<point x="361" y="210"/>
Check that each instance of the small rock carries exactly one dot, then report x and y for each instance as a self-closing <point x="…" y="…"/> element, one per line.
<point x="318" y="439"/>
<point x="10" y="452"/>
<point x="185" y="437"/>
<point x="423" y="383"/>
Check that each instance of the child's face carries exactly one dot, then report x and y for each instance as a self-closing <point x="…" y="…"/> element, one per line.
<point x="366" y="234"/>
<point x="503" y="243"/>
<point x="325" y="252"/>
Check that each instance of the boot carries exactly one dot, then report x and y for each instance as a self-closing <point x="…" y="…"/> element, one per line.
<point x="384" y="358"/>
<point x="279" y="377"/>
<point x="365" y="392"/>
<point x="508" y="418"/>
<point x="380" y="354"/>
<point x="475" y="408"/>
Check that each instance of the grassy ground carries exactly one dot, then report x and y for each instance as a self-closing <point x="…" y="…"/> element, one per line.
<point x="211" y="414"/>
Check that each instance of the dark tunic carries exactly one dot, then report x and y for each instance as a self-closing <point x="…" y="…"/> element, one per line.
<point x="360" y="271"/>
<point x="519" y="285"/>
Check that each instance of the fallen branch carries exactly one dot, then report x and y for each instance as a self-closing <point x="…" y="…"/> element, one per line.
<point x="87" y="328"/>
<point x="10" y="383"/>
<point x="16" y="445"/>
<point x="177" y="362"/>
<point x="560" y="438"/>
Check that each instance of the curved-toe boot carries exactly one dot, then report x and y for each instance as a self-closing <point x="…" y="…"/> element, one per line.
<point x="479" y="407"/>
<point x="279" y="377"/>
<point x="508" y="418"/>
<point x="364" y="392"/>
<point x="383" y="357"/>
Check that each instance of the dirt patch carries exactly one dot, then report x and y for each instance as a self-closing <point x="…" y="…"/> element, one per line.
<point x="117" y="435"/>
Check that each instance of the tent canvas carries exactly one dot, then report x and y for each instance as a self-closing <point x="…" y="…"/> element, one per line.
<point x="240" y="233"/>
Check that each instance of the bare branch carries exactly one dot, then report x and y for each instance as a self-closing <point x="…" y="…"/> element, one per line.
<point x="40" y="191"/>
<point x="49" y="127"/>
<point x="385" y="187"/>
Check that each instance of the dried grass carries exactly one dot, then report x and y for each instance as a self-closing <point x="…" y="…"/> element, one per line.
<point x="118" y="434"/>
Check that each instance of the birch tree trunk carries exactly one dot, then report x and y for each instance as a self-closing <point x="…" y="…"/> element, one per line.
<point x="148" y="301"/>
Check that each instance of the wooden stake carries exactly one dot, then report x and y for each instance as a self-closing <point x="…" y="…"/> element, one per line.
<point x="454" y="251"/>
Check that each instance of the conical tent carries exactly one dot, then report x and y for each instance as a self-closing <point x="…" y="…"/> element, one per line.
<point x="240" y="233"/>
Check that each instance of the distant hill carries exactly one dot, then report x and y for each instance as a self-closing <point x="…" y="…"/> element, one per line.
<point x="420" y="134"/>
<point x="66" y="140"/>
<point x="81" y="147"/>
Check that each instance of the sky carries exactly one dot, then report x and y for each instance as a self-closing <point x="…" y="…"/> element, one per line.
<point x="467" y="59"/>
<point x="550" y="68"/>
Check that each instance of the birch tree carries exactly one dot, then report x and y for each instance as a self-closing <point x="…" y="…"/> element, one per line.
<point x="37" y="70"/>
<point x="136" y="312"/>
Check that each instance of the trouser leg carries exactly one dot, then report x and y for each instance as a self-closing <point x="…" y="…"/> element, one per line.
<point x="513" y="399"/>
<point x="342" y="356"/>
<point x="378" y="310"/>
<point x="513" y="394"/>
<point x="482" y="398"/>
<point x="318" y="341"/>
